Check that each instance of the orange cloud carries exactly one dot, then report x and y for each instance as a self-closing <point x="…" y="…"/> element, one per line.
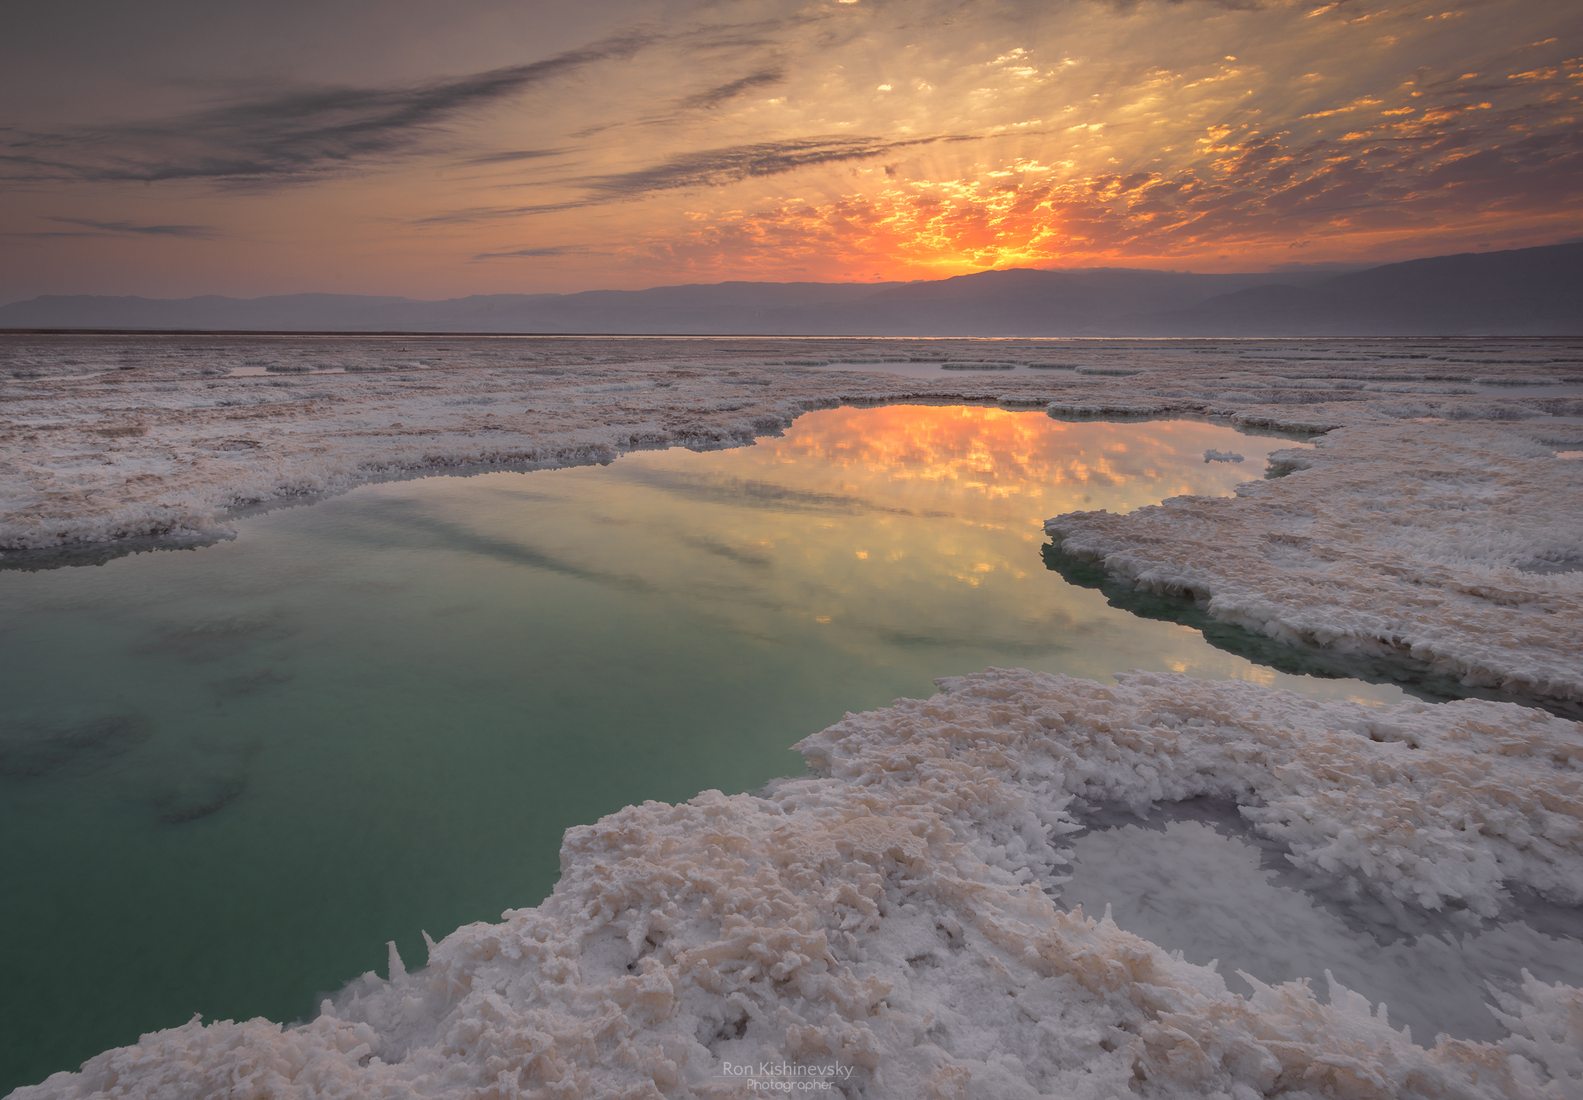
<point x="815" y="141"/>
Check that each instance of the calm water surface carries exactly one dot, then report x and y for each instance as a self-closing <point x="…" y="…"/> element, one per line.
<point x="1194" y="878"/>
<point x="228" y="776"/>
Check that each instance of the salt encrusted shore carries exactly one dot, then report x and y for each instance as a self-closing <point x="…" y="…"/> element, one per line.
<point x="1434" y="525"/>
<point x="897" y="916"/>
<point x="1457" y="550"/>
<point x="105" y="439"/>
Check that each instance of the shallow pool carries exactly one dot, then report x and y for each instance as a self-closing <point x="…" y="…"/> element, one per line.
<point x="229" y="775"/>
<point x="1192" y="878"/>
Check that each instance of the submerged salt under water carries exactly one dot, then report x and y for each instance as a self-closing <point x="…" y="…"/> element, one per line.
<point x="1201" y="884"/>
<point x="229" y="775"/>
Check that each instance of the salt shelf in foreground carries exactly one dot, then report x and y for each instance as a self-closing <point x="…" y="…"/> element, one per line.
<point x="896" y="916"/>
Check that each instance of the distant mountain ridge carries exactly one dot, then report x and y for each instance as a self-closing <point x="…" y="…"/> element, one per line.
<point x="1522" y="292"/>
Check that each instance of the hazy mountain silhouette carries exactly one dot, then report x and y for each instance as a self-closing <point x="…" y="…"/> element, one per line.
<point x="1527" y="292"/>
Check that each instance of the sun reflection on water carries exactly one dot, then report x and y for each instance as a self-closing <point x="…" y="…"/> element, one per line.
<point x="909" y="535"/>
<point x="444" y="674"/>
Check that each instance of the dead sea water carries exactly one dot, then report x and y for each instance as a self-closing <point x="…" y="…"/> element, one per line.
<point x="228" y="776"/>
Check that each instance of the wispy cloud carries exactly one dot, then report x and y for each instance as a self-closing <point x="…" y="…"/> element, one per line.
<point x="536" y="252"/>
<point x="752" y="493"/>
<point x="872" y="140"/>
<point x="292" y="137"/>
<point x="139" y="230"/>
<point x="707" y="168"/>
<point x="1458" y="172"/>
<point x="722" y="93"/>
<point x="465" y="538"/>
<point x="713" y="167"/>
<point x="1230" y="5"/>
<point x="93" y="227"/>
<point x="512" y="156"/>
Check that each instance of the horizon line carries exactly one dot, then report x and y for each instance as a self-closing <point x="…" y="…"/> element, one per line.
<point x="474" y="334"/>
<point x="1337" y="267"/>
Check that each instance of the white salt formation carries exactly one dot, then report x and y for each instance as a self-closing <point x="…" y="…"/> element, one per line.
<point x="895" y="917"/>
<point x="1455" y="547"/>
<point x="115" y="438"/>
<point x="1193" y="879"/>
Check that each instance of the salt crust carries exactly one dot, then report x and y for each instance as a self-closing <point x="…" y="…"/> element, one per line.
<point x="896" y="914"/>
<point x="1435" y="525"/>
<point x="1454" y="548"/>
<point x="106" y="439"/>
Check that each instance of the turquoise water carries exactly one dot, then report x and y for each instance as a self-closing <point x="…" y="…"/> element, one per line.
<point x="229" y="775"/>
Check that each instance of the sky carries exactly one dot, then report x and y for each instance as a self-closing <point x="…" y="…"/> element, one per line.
<point x="178" y="147"/>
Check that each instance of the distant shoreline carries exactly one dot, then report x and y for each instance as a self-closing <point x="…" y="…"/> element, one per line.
<point x="477" y="335"/>
<point x="1517" y="293"/>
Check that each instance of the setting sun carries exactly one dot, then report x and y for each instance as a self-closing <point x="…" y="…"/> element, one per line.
<point x="636" y="144"/>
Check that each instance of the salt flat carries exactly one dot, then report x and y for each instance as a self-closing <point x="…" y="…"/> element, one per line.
<point x="1435" y="523"/>
<point x="898" y="913"/>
